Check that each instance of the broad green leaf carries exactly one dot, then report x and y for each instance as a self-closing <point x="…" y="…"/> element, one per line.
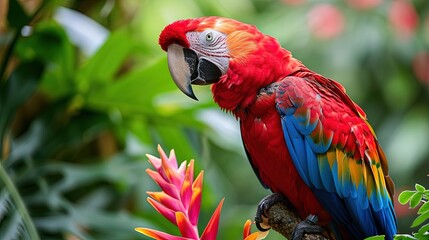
<point x="420" y="219"/>
<point x="415" y="199"/>
<point x="102" y="67"/>
<point x="424" y="208"/>
<point x="405" y="196"/>
<point x="420" y="188"/>
<point x="50" y="44"/>
<point x="135" y="91"/>
<point x="140" y="92"/>
<point x="44" y="42"/>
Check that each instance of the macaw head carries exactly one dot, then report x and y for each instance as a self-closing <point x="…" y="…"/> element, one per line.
<point x="221" y="51"/>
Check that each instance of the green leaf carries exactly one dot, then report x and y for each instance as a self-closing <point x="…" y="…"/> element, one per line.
<point x="420" y="188"/>
<point x="135" y="91"/>
<point x="142" y="91"/>
<point x="16" y="16"/>
<point x="379" y="237"/>
<point x="42" y="43"/>
<point x="420" y="236"/>
<point x="420" y="219"/>
<point x="424" y="229"/>
<point x="404" y="237"/>
<point x="170" y="136"/>
<point x="50" y="44"/>
<point x="405" y="196"/>
<point x="415" y="199"/>
<point x="141" y="130"/>
<point x="424" y="208"/>
<point x="103" y="66"/>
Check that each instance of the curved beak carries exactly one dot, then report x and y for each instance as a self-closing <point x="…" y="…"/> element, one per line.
<point x="187" y="68"/>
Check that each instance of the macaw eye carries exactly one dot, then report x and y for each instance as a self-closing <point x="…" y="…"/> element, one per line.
<point x="209" y="37"/>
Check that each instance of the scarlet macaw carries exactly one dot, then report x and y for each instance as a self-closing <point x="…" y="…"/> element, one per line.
<point x="304" y="137"/>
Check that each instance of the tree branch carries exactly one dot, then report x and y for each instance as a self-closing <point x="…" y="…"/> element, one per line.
<point x="283" y="219"/>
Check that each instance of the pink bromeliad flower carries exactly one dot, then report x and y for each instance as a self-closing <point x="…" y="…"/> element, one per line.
<point x="180" y="201"/>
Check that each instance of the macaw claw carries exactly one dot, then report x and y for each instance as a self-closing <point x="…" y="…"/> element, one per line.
<point x="308" y="226"/>
<point x="261" y="218"/>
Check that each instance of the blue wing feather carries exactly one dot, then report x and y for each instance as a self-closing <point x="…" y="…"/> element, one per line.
<point x="296" y="140"/>
<point x="363" y="213"/>
<point x="313" y="167"/>
<point x="327" y="179"/>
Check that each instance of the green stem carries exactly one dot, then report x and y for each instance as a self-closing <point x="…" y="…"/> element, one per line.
<point x="20" y="206"/>
<point x="8" y="55"/>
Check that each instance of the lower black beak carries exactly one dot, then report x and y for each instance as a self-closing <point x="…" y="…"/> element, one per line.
<point x="187" y="68"/>
<point x="207" y="73"/>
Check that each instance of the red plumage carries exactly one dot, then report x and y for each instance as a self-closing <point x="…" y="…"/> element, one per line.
<point x="238" y="92"/>
<point x="260" y="132"/>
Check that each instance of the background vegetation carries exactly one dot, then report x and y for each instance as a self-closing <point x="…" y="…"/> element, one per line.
<point x="85" y="93"/>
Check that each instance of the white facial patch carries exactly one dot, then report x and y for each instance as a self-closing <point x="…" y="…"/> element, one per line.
<point x="210" y="45"/>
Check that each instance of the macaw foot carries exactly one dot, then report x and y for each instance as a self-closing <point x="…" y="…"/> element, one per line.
<point x="308" y="226"/>
<point x="261" y="218"/>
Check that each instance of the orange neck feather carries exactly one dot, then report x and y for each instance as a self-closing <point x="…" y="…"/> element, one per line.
<point x="254" y="64"/>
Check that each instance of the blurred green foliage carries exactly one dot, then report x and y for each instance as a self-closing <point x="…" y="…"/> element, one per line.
<point x="85" y="92"/>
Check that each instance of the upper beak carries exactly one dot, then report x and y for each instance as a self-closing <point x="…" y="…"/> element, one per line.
<point x="187" y="68"/>
<point x="181" y="68"/>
